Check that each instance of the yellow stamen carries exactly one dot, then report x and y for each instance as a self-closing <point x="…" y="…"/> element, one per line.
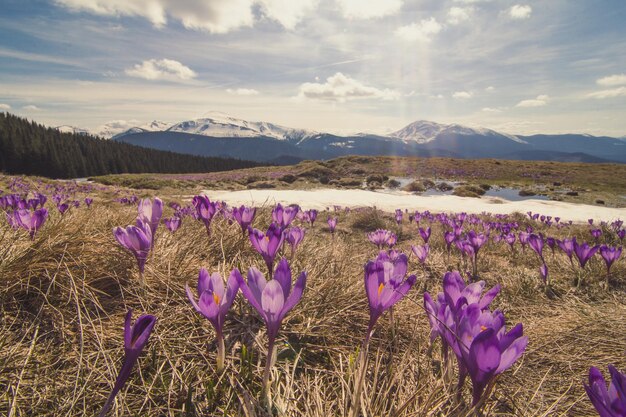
<point x="216" y="298"/>
<point x="380" y="288"/>
<point x="483" y="328"/>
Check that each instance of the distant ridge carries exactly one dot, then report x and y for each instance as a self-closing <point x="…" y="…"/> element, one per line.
<point x="218" y="134"/>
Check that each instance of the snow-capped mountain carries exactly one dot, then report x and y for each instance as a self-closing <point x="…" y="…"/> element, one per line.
<point x="72" y="129"/>
<point x="423" y="131"/>
<point x="218" y="134"/>
<point x="217" y="124"/>
<point x="122" y="127"/>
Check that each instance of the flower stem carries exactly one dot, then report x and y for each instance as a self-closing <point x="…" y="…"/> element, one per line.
<point x="269" y="362"/>
<point x="360" y="376"/>
<point x="221" y="353"/>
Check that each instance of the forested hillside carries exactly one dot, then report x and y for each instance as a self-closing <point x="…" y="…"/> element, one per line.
<point x="30" y="148"/>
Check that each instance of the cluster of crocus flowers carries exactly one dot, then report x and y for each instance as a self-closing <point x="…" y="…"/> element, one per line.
<point x="309" y="216"/>
<point x="135" y="339"/>
<point x="139" y="239"/>
<point x="283" y="216"/>
<point x="173" y="223"/>
<point x="214" y="301"/>
<point x="478" y="337"/>
<point x="31" y="221"/>
<point x="609" y="402"/>
<point x="205" y="210"/>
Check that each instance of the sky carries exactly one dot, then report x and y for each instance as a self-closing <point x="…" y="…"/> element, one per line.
<point x="341" y="66"/>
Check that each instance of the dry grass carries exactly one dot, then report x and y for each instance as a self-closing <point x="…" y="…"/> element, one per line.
<point x="64" y="296"/>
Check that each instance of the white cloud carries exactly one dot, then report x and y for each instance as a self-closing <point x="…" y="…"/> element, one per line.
<point x="462" y="94"/>
<point x="540" y="101"/>
<point x="617" y="79"/>
<point x="341" y="88"/>
<point x="437" y="96"/>
<point x="472" y="1"/>
<point x="422" y="31"/>
<point x="491" y="110"/>
<point x="360" y="9"/>
<point x="288" y="12"/>
<point x="520" y="11"/>
<point x="457" y="15"/>
<point x="242" y="91"/>
<point x="162" y="69"/>
<point x="615" y="92"/>
<point x="31" y="107"/>
<point x="4" y="106"/>
<point x="215" y="16"/>
<point x="490" y="89"/>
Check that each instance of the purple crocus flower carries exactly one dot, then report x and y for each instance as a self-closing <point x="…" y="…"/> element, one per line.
<point x="268" y="243"/>
<point x="421" y="252"/>
<point x="382" y="237"/>
<point x="294" y="236"/>
<point x="30" y="221"/>
<point x="63" y="207"/>
<point x="425" y="233"/>
<point x="455" y="289"/>
<point x="596" y="233"/>
<point x="205" y="210"/>
<point x="283" y="216"/>
<point x="510" y="239"/>
<point x="173" y="223"/>
<point x="523" y="239"/>
<point x="584" y="252"/>
<point x="272" y="299"/>
<point x="567" y="246"/>
<point x="621" y="234"/>
<point x="88" y="201"/>
<point x="135" y="339"/>
<point x="590" y="221"/>
<point x="137" y="240"/>
<point x="150" y="212"/>
<point x="244" y="216"/>
<point x="332" y="224"/>
<point x="384" y="289"/>
<point x="310" y="216"/>
<point x="214" y="301"/>
<point x="491" y="352"/>
<point x="609" y="402"/>
<point x="536" y="244"/>
<point x="398" y="216"/>
<point x="610" y="255"/>
<point x="449" y="237"/>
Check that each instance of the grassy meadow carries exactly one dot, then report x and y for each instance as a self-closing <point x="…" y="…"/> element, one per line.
<point x="63" y="298"/>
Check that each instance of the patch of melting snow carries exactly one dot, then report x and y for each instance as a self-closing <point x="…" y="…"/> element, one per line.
<point x="390" y="200"/>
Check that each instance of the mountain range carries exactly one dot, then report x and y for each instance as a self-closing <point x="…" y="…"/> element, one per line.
<point x="218" y="134"/>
